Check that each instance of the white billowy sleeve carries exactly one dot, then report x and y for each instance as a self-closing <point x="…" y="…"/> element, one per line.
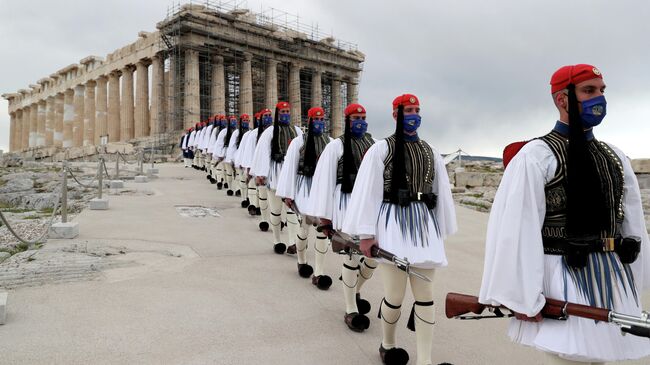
<point x="261" y="164"/>
<point x="186" y="139"/>
<point x="513" y="272"/>
<point x="367" y="194"/>
<point x="219" y="148"/>
<point x="232" y="147"/>
<point x="445" y="211"/>
<point x="286" y="187"/>
<point x="190" y="142"/>
<point x="249" y="149"/>
<point x="321" y="196"/>
<point x="212" y="143"/>
<point x="240" y="150"/>
<point x="634" y="222"/>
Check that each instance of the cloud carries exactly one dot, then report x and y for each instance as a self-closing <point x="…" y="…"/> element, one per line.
<point x="480" y="69"/>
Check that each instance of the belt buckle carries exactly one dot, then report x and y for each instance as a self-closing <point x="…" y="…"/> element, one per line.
<point x="419" y="195"/>
<point x="608" y="244"/>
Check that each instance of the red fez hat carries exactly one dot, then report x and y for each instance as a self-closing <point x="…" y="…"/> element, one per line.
<point x="189" y="129"/>
<point x="405" y="100"/>
<point x="316" y="112"/>
<point x="245" y="116"/>
<point x="265" y="110"/>
<point x="232" y="116"/>
<point x="573" y="74"/>
<point x="257" y="115"/>
<point x="221" y="116"/>
<point x="354" y="108"/>
<point x="283" y="105"/>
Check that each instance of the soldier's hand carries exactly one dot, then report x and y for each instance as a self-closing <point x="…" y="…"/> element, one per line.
<point x="365" y="246"/>
<point x="326" y="224"/>
<point x="288" y="202"/>
<point x="259" y="180"/>
<point x="522" y="317"/>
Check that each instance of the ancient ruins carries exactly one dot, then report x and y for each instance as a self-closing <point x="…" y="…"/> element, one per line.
<point x="202" y="60"/>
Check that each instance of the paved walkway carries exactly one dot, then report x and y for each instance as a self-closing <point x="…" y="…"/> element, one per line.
<point x="210" y="291"/>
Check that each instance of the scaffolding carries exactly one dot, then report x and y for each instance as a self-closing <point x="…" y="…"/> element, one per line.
<point x="174" y="35"/>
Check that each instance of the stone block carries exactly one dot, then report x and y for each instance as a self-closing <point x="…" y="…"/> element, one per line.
<point x="64" y="230"/>
<point x="3" y="307"/>
<point x="99" y="204"/>
<point x="141" y="179"/>
<point x="641" y="165"/>
<point x="116" y="184"/>
<point x="492" y="179"/>
<point x="469" y="179"/>
<point x="152" y="171"/>
<point x="644" y="181"/>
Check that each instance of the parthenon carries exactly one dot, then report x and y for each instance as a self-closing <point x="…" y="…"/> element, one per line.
<point x="202" y="60"/>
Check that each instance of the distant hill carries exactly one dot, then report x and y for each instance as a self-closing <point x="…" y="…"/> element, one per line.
<point x="480" y="158"/>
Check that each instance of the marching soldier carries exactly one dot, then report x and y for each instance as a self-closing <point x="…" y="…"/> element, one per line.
<point x="267" y="164"/>
<point x="402" y="202"/>
<point x="567" y="223"/>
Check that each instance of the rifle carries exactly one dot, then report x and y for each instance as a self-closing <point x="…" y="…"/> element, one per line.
<point x="342" y="240"/>
<point x="458" y="305"/>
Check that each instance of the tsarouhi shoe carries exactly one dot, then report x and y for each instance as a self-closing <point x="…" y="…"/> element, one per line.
<point x="356" y="322"/>
<point x="393" y="356"/>
<point x="258" y="211"/>
<point x="251" y="209"/>
<point x="322" y="282"/>
<point x="363" y="305"/>
<point x="279" y="248"/>
<point x="291" y="250"/>
<point x="238" y="193"/>
<point x="245" y="203"/>
<point x="305" y="270"/>
<point x="219" y="185"/>
<point x="229" y="192"/>
<point x="225" y="185"/>
<point x="264" y="226"/>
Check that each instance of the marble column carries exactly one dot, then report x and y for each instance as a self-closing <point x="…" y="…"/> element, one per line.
<point x="126" y="104"/>
<point x="218" y="104"/>
<point x="89" y="114"/>
<point x="353" y="91"/>
<point x="141" y="117"/>
<point x="316" y="88"/>
<point x="25" y="132"/>
<point x="113" y="120"/>
<point x="78" y="124"/>
<point x="192" y="107"/>
<point x="12" y="132"/>
<point x="68" y="118"/>
<point x="294" y="93"/>
<point x="157" y="112"/>
<point x="18" y="134"/>
<point x="33" y="125"/>
<point x="101" y="110"/>
<point x="49" y="122"/>
<point x="246" y="86"/>
<point x="271" y="97"/>
<point x="336" y="119"/>
<point x="174" y="119"/>
<point x="58" y="119"/>
<point x="40" y="124"/>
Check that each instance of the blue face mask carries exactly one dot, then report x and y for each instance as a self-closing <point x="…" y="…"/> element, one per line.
<point x="244" y="125"/>
<point x="318" y="126"/>
<point x="267" y="120"/>
<point x="412" y="122"/>
<point x="233" y="124"/>
<point x="284" y="118"/>
<point x="358" y="128"/>
<point x="223" y="124"/>
<point x="593" y="111"/>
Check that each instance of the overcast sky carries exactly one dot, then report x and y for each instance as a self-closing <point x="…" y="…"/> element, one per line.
<point x="480" y="68"/>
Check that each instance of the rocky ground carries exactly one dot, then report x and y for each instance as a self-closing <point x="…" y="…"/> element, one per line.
<point x="29" y="194"/>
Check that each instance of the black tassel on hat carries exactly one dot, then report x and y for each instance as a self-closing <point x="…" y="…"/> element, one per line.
<point x="398" y="183"/>
<point x="349" y="167"/>
<point x="309" y="160"/>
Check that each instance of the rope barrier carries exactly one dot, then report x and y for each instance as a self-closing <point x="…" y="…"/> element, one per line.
<point x="40" y="238"/>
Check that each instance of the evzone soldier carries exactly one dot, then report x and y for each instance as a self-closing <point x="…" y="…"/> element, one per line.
<point x="233" y="146"/>
<point x="402" y="203"/>
<point x="294" y="186"/>
<point x="258" y="196"/>
<point x="190" y="144"/>
<point x="332" y="184"/>
<point x="267" y="163"/>
<point x="187" y="153"/>
<point x="567" y="223"/>
<point x="245" y="133"/>
<point x="212" y="142"/>
<point x="200" y="143"/>
<point x="207" y="157"/>
<point x="198" y="139"/>
<point x="218" y="153"/>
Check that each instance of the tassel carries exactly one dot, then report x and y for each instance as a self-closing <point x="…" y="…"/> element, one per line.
<point x="411" y="323"/>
